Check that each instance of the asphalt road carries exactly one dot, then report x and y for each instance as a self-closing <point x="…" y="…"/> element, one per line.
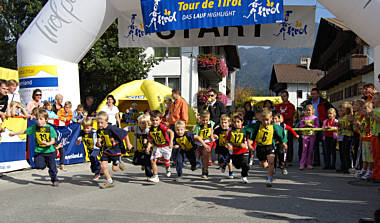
<point x="302" y="196"/>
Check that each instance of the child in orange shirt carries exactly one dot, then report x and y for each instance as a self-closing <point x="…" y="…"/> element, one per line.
<point x="65" y="114"/>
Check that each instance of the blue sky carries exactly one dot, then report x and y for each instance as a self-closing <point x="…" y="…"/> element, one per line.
<point x="320" y="12"/>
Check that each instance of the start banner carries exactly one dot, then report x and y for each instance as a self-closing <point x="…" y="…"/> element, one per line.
<point x="165" y="15"/>
<point x="67" y="135"/>
<point x="296" y="30"/>
<point x="13" y="149"/>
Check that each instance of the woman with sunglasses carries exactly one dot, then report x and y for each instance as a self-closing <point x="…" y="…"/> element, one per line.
<point x="36" y="102"/>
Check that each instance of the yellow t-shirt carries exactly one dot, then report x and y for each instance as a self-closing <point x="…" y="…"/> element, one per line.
<point x="264" y="136"/>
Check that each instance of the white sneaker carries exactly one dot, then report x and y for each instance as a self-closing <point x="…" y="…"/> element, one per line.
<point x="231" y="175"/>
<point x="367" y="175"/>
<point x="251" y="162"/>
<point x="154" y="179"/>
<point x="269" y="182"/>
<point x="244" y="180"/>
<point x="284" y="171"/>
<point x="360" y="173"/>
<point x="168" y="172"/>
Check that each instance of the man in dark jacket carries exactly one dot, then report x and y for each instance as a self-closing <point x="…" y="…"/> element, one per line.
<point x="215" y="107"/>
<point x="321" y="106"/>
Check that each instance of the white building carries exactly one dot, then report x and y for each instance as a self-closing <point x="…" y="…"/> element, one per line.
<point x="297" y="79"/>
<point x="179" y="69"/>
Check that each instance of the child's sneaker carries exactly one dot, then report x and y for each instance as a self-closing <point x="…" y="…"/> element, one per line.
<point x="143" y="168"/>
<point x="96" y="177"/>
<point x="284" y="171"/>
<point x="55" y="183"/>
<point x="168" y="172"/>
<point x="231" y="175"/>
<point x="193" y="168"/>
<point x="106" y="185"/>
<point x="121" y="165"/>
<point x="210" y="163"/>
<point x="63" y="168"/>
<point x="154" y="179"/>
<point x="360" y="173"/>
<point x="251" y="162"/>
<point x="244" y="180"/>
<point x="204" y="174"/>
<point x="269" y="182"/>
<point x="223" y="169"/>
<point x="367" y="175"/>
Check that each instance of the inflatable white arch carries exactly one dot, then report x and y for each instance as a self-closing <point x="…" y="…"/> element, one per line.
<point x="49" y="50"/>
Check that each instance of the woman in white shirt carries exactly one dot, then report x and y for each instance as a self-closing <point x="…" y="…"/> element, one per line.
<point x="112" y="111"/>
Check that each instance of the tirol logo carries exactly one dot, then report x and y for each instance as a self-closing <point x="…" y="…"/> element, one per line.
<point x="290" y="29"/>
<point x="258" y="9"/>
<point x="156" y="16"/>
<point x="135" y="30"/>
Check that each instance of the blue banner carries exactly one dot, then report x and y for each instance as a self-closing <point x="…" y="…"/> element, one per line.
<point x="67" y="135"/>
<point x="39" y="82"/>
<point x="164" y="15"/>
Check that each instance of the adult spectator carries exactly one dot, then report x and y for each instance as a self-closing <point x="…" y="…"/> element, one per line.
<point x="321" y="106"/>
<point x="248" y="113"/>
<point x="57" y="103"/>
<point x="36" y="102"/>
<point x="268" y="104"/>
<point x="178" y="110"/>
<point x="369" y="91"/>
<point x="215" y="107"/>
<point x="3" y="97"/>
<point x="287" y="110"/>
<point x="89" y="106"/>
<point x="13" y="95"/>
<point x="112" y="111"/>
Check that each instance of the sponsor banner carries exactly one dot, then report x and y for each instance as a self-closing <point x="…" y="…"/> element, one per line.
<point x="67" y="135"/>
<point x="296" y="30"/>
<point x="44" y="77"/>
<point x="165" y="15"/>
<point x="12" y="149"/>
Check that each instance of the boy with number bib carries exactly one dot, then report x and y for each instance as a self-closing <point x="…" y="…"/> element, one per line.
<point x="184" y="141"/>
<point x="110" y="140"/>
<point x="204" y="129"/>
<point x="221" y="150"/>
<point x="89" y="138"/>
<point x="264" y="133"/>
<point x="141" y="157"/>
<point x="237" y="144"/>
<point x="161" y="138"/>
<point x="44" y="152"/>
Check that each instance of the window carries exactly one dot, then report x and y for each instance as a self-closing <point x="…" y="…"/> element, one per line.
<point x="167" y="52"/>
<point x="207" y="50"/>
<point x="172" y="82"/>
<point x="337" y="96"/>
<point x="299" y="93"/>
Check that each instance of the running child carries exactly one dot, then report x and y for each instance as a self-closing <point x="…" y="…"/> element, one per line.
<point x="308" y="121"/>
<point x="237" y="145"/>
<point x="264" y="133"/>
<point x="44" y="152"/>
<point x="224" y="156"/>
<point x="184" y="142"/>
<point x="141" y="157"/>
<point x="161" y="138"/>
<point x="110" y="140"/>
<point x="280" y="155"/>
<point x="330" y="139"/>
<point x="89" y="138"/>
<point x="204" y="129"/>
<point x="376" y="138"/>
<point x="367" y="129"/>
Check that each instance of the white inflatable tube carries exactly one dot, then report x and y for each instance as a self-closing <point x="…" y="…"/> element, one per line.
<point x="363" y="18"/>
<point x="60" y="36"/>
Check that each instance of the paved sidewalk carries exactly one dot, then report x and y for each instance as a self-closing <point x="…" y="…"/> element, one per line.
<point x="302" y="196"/>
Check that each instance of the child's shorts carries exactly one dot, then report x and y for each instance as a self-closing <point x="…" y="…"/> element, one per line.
<point x="367" y="151"/>
<point x="209" y="144"/>
<point x="114" y="159"/>
<point x="263" y="151"/>
<point x="164" y="152"/>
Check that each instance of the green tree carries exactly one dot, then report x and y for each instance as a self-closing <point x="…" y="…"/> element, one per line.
<point x="106" y="66"/>
<point x="15" y="16"/>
